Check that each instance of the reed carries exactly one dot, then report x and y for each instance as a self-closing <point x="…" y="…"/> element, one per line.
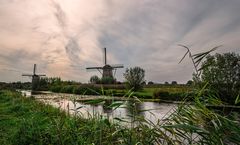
<point x="27" y="121"/>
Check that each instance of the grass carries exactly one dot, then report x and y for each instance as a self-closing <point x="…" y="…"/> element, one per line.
<point x="172" y="92"/>
<point x="148" y="92"/>
<point x="26" y="121"/>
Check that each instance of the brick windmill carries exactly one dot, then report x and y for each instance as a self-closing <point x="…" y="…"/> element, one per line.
<point x="35" y="78"/>
<point x="106" y="70"/>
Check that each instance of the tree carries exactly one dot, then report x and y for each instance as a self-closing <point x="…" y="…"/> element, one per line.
<point x="150" y="83"/>
<point x="189" y="83"/>
<point x="108" y="80"/>
<point x="174" y="82"/>
<point x="134" y="78"/>
<point x="43" y="83"/>
<point x="222" y="72"/>
<point x="94" y="80"/>
<point x="166" y="83"/>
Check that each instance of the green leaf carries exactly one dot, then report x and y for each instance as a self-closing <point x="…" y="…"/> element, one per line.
<point x="186" y="127"/>
<point x="97" y="101"/>
<point x="121" y="120"/>
<point x="115" y="104"/>
<point x="237" y="100"/>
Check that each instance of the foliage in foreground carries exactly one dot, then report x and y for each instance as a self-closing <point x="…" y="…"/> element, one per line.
<point x="222" y="71"/>
<point x="197" y="124"/>
<point x="26" y="121"/>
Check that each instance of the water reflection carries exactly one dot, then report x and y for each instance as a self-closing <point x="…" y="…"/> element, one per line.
<point x="106" y="107"/>
<point x="130" y="111"/>
<point x="26" y="93"/>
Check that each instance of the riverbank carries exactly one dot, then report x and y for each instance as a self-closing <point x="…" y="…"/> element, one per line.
<point x="27" y="121"/>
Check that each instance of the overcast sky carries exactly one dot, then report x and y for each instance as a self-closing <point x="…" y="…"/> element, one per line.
<point x="63" y="37"/>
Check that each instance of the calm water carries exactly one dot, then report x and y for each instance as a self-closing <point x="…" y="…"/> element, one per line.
<point x="26" y="93"/>
<point x="156" y="111"/>
<point x="152" y="111"/>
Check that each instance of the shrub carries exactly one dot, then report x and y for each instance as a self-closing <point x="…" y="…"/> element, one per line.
<point x="95" y="80"/>
<point x="56" y="89"/>
<point x="108" y="80"/>
<point x="164" y="95"/>
<point x="67" y="89"/>
<point x="78" y="90"/>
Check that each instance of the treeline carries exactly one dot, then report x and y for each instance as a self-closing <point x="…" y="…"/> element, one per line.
<point x="87" y="89"/>
<point x="15" y="85"/>
<point x="162" y="93"/>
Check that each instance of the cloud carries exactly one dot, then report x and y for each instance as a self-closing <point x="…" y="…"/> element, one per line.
<point x="63" y="37"/>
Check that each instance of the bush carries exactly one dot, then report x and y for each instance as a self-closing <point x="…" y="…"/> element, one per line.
<point x="56" y="89"/>
<point x="95" y="79"/>
<point x="108" y="80"/>
<point x="222" y="72"/>
<point x="78" y="90"/>
<point x="67" y="89"/>
<point x="164" y="95"/>
<point x="86" y="90"/>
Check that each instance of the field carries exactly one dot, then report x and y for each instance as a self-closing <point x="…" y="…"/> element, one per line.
<point x="162" y="92"/>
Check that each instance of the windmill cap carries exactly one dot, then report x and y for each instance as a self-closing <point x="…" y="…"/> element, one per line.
<point x="107" y="67"/>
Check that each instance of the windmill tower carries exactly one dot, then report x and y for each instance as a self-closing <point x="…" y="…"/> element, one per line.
<point x="35" y="78"/>
<point x="106" y="70"/>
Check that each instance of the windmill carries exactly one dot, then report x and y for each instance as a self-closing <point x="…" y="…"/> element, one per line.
<point x="106" y="70"/>
<point x="35" y="78"/>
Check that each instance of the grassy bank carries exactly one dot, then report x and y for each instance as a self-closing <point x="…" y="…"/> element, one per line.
<point x="26" y="121"/>
<point x="164" y="92"/>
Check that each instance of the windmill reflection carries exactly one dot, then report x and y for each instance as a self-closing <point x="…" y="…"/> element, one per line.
<point x="134" y="110"/>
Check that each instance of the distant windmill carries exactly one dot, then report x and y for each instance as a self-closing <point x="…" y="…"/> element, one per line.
<point x="107" y="70"/>
<point x="35" y="78"/>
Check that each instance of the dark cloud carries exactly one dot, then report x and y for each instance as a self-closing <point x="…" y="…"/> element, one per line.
<point x="73" y="50"/>
<point x="59" y="34"/>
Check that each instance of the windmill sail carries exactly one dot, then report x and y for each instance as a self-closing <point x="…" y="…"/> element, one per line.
<point x="35" y="78"/>
<point x="106" y="69"/>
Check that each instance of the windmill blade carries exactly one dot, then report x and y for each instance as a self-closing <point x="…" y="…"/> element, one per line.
<point x="28" y="75"/>
<point x="94" y="68"/>
<point x="117" y="66"/>
<point x="105" y="55"/>
<point x="34" y="69"/>
<point x="91" y="70"/>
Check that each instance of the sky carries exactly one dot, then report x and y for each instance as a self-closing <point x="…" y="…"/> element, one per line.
<point x="63" y="37"/>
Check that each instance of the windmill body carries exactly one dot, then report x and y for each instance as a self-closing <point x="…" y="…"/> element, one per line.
<point x="35" y="78"/>
<point x="106" y="70"/>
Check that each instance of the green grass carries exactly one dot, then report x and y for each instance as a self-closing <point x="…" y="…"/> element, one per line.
<point x="173" y="92"/>
<point x="172" y="89"/>
<point x="26" y="121"/>
<point x="148" y="92"/>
